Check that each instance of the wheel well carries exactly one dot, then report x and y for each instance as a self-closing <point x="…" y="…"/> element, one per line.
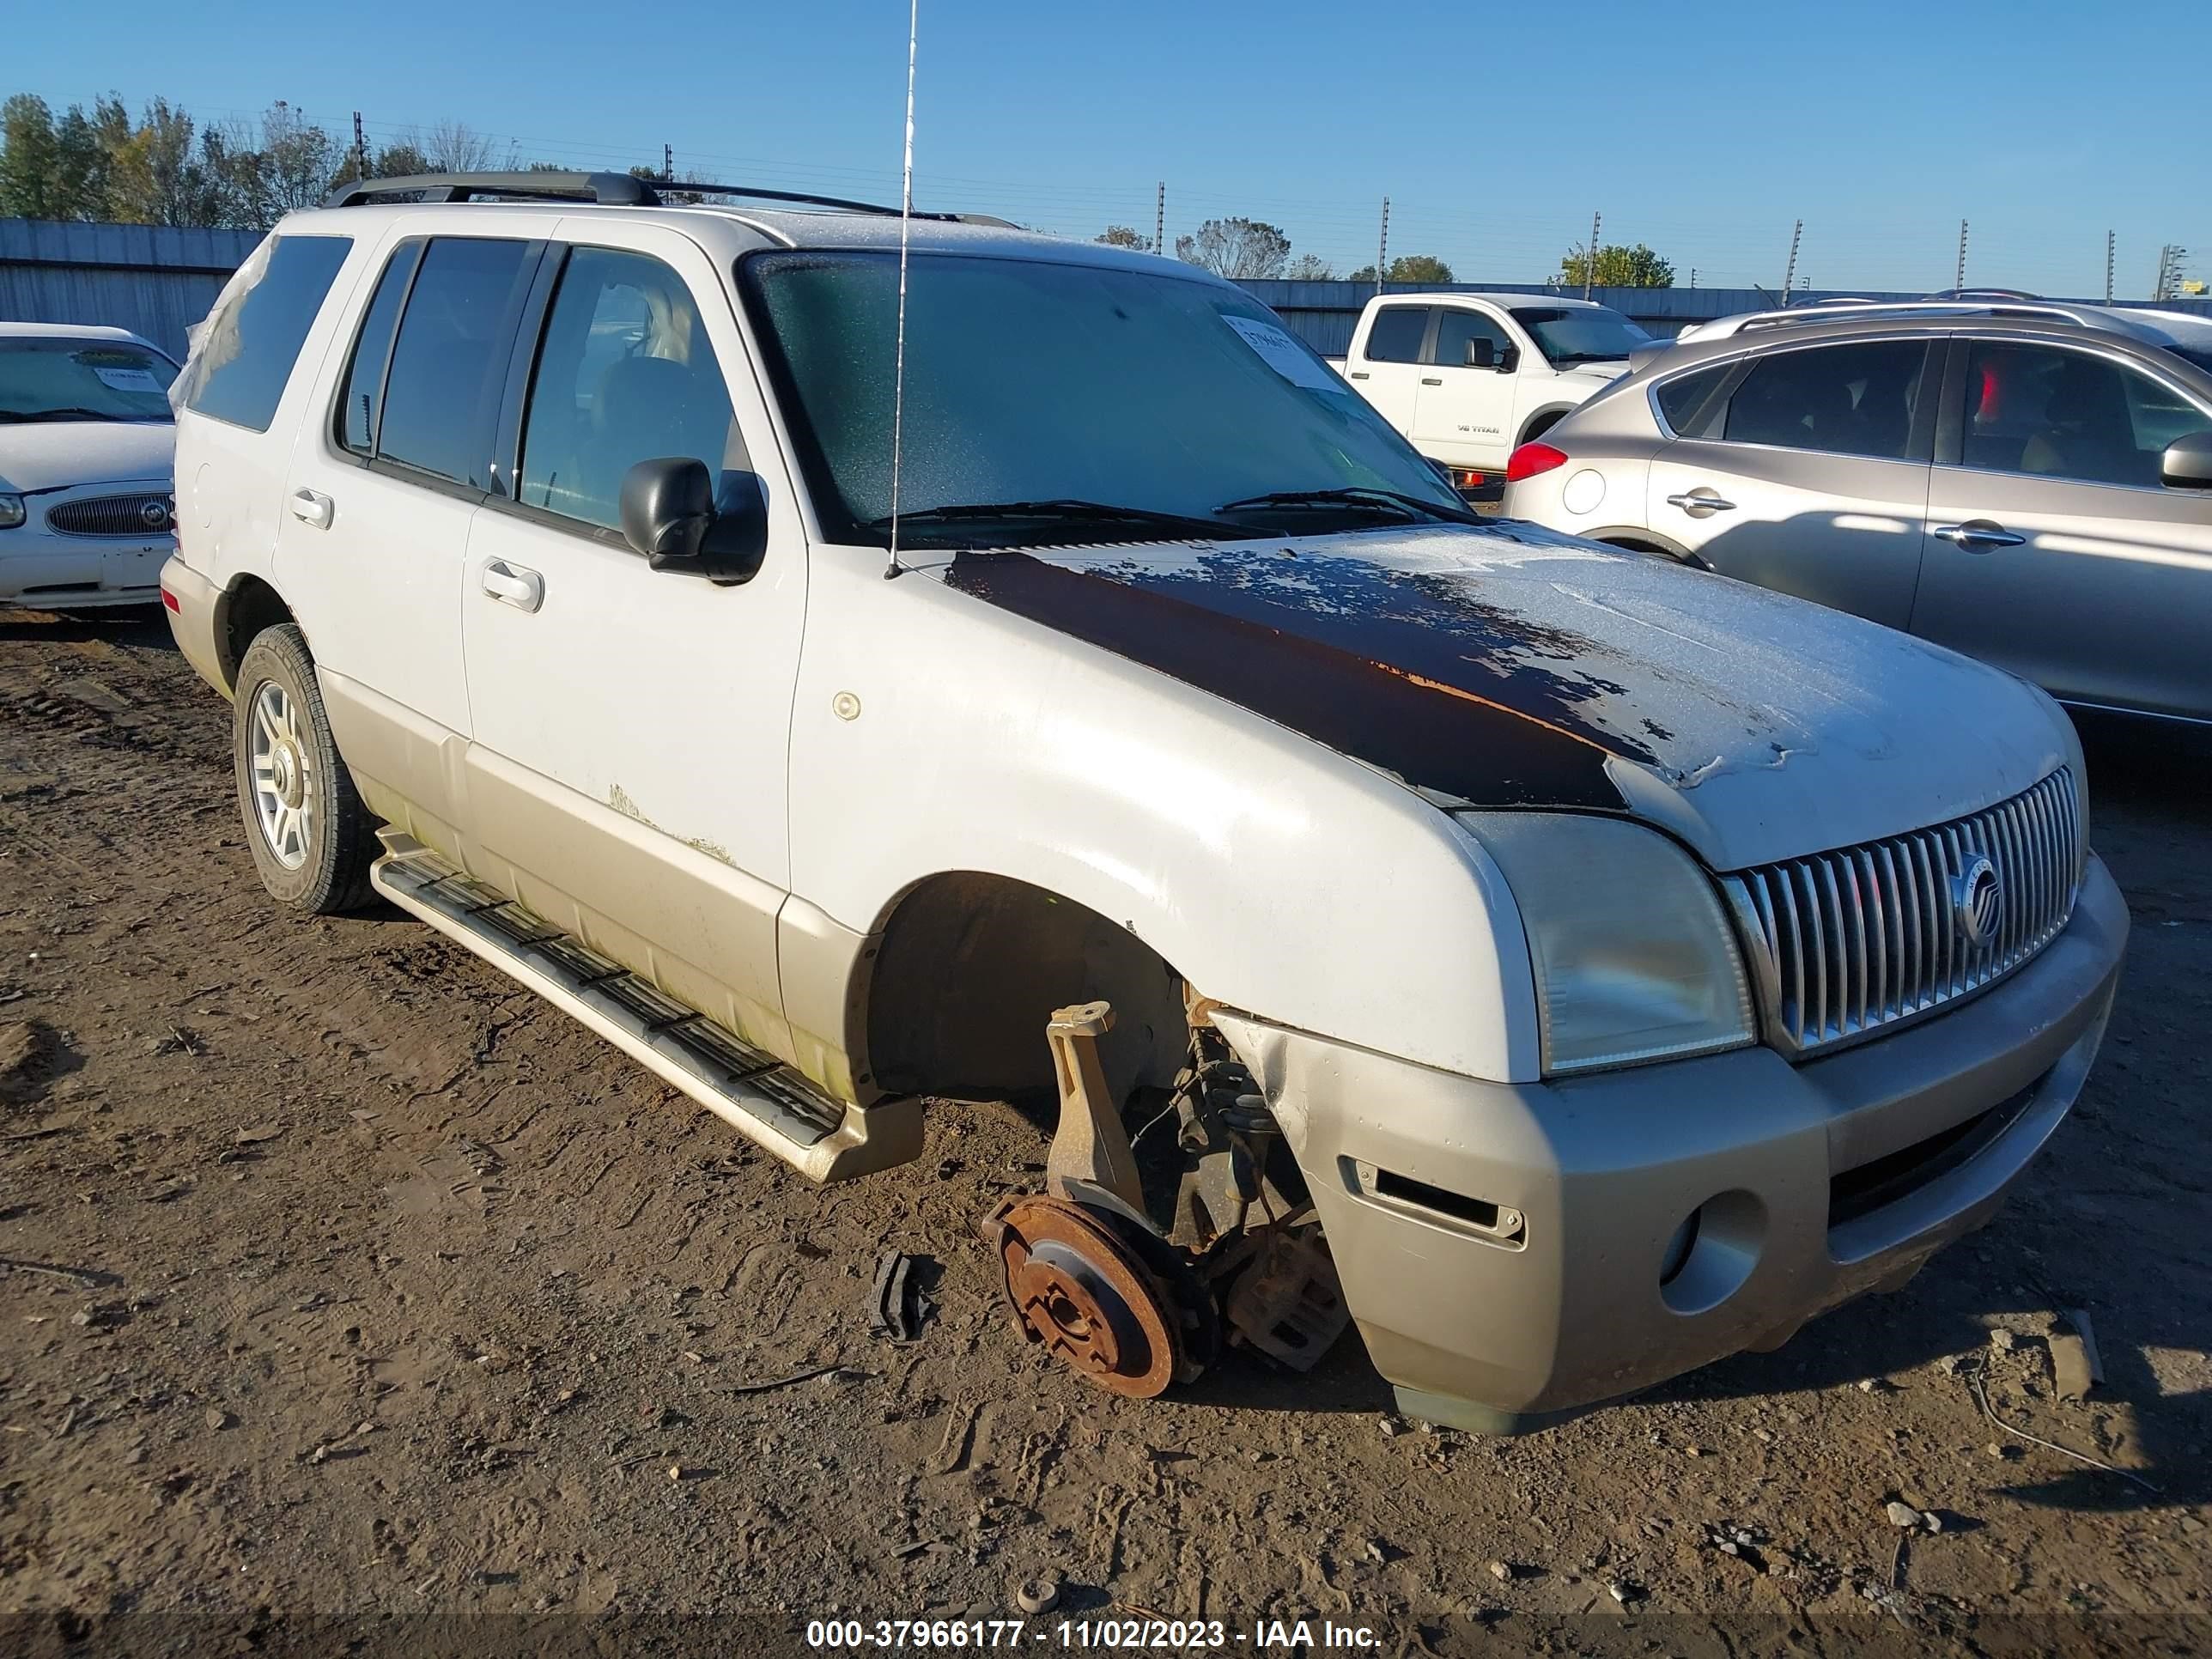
<point x="1541" y="423"/>
<point x="971" y="964"/>
<point x="246" y="608"/>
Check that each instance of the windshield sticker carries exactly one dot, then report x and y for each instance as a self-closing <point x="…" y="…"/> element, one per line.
<point x="1284" y="355"/>
<point x="126" y="380"/>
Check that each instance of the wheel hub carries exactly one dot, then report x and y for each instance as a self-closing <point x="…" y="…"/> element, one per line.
<point x="1077" y="1288"/>
<point x="285" y="770"/>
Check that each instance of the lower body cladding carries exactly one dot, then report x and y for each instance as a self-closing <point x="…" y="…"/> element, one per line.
<point x="1514" y="1254"/>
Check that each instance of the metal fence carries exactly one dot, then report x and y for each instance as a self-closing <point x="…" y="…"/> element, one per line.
<point x="158" y="280"/>
<point x="1324" y="313"/>
<point x="154" y="280"/>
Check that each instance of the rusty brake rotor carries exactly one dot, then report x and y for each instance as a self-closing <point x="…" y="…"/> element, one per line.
<point x="1083" y="1292"/>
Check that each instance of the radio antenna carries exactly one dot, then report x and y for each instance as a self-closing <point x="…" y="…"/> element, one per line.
<point x="905" y="222"/>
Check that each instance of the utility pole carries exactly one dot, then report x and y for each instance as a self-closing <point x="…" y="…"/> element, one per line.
<point x="1693" y="276"/>
<point x="1961" y="280"/>
<point x="360" y="148"/>
<point x="2168" y="286"/>
<point x="1789" y="270"/>
<point x="668" y="163"/>
<point x="1160" y="220"/>
<point x="2109" y="245"/>
<point x="1590" y="260"/>
<point x="1382" y="248"/>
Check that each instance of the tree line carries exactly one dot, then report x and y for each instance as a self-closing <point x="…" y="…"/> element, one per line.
<point x="1252" y="250"/>
<point x="163" y="168"/>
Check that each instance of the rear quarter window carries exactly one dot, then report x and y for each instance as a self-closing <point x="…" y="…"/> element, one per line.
<point x="240" y="368"/>
<point x="1686" y="403"/>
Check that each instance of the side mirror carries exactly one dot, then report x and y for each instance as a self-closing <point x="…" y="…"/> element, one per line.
<point x="1481" y="353"/>
<point x="2187" y="462"/>
<point x="671" y="514"/>
<point x="1509" y="360"/>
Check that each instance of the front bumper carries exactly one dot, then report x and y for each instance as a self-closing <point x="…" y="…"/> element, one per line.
<point x="41" y="570"/>
<point x="1502" y="1246"/>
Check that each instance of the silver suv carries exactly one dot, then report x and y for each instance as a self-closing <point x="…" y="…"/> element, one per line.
<point x="2027" y="482"/>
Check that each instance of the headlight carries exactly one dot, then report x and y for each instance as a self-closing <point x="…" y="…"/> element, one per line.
<point x="1634" y="957"/>
<point x="11" y="512"/>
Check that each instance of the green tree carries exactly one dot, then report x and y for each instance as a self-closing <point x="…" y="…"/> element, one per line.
<point x="80" y="166"/>
<point x="1617" y="266"/>
<point x="1239" y="249"/>
<point x="401" y="158"/>
<point x="30" y="160"/>
<point x="1407" y="268"/>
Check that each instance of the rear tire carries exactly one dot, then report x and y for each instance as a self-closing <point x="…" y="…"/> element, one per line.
<point x="312" y="840"/>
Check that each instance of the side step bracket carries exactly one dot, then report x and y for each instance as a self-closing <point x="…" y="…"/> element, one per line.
<point x="761" y="1098"/>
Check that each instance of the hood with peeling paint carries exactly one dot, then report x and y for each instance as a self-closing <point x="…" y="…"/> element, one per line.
<point x="1504" y="666"/>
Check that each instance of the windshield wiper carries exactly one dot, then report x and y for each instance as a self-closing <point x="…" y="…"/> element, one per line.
<point x="1051" y="512"/>
<point x="71" y="414"/>
<point x="1360" y="497"/>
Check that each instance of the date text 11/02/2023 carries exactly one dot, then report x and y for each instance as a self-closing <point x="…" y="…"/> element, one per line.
<point x="1192" y="1635"/>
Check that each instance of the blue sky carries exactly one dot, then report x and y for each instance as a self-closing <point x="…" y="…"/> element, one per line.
<point x="1703" y="129"/>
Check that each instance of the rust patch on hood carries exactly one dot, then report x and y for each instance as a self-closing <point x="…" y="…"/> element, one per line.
<point x="1406" y="671"/>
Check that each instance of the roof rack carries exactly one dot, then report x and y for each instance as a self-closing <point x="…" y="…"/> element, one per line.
<point x="605" y="189"/>
<point x="608" y="189"/>
<point x="2087" y="316"/>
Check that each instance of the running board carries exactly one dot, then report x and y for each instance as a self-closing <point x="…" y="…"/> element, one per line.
<point x="762" y="1098"/>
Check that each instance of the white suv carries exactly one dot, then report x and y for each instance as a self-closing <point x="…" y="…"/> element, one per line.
<point x="1651" y="961"/>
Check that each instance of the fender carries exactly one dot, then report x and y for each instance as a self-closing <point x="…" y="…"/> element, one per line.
<point x="934" y="731"/>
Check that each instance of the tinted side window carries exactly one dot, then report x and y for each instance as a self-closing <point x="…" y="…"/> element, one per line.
<point x="1397" y="334"/>
<point x="360" y="403"/>
<point x="1842" y="399"/>
<point x="449" y="363"/>
<point x="625" y="376"/>
<point x="1682" y="400"/>
<point x="2061" y="414"/>
<point x="1455" y="329"/>
<point x="239" y="367"/>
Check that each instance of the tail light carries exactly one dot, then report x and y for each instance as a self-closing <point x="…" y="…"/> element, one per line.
<point x="1532" y="459"/>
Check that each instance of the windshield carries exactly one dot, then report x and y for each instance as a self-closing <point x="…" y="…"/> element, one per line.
<point x="1067" y="388"/>
<point x="1580" y="334"/>
<point x="54" y="378"/>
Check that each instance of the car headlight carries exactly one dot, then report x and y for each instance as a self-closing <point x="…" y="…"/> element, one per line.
<point x="1634" y="957"/>
<point x="11" y="512"/>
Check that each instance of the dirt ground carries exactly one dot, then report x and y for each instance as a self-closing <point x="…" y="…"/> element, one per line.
<point x="352" y="1301"/>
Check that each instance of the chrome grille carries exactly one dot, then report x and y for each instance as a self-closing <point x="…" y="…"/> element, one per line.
<point x="111" y="515"/>
<point x="1844" y="943"/>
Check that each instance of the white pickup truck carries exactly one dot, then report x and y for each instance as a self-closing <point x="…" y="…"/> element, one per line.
<point x="1469" y="378"/>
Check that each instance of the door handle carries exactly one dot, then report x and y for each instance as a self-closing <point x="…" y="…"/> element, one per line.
<point x="1699" y="502"/>
<point x="512" y="584"/>
<point x="1425" y="381"/>
<point x="310" y="506"/>
<point x="1359" y="373"/>
<point x="1978" y="535"/>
